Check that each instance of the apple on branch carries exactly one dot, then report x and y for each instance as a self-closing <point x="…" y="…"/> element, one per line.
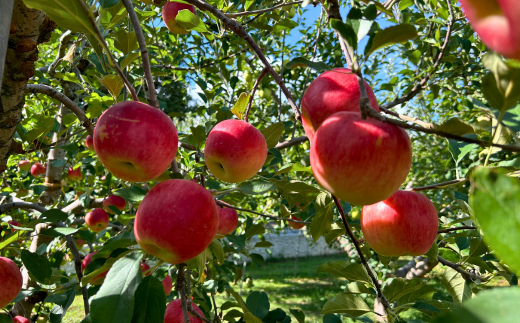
<point x="97" y="220"/>
<point x="167" y="284"/>
<point x="20" y="319"/>
<point x="295" y="225"/>
<point x="24" y="165"/>
<point x="169" y="13"/>
<point x="360" y="161"/>
<point x="89" y="143"/>
<point x="97" y="280"/>
<point x="145" y="268"/>
<point x="228" y="221"/>
<point x="10" y="281"/>
<point x="75" y="174"/>
<point x="116" y="201"/>
<point x="404" y="224"/>
<point x="174" y="313"/>
<point x="38" y="169"/>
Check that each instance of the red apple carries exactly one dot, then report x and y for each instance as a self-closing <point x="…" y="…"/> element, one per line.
<point x="295" y="225"/>
<point x="333" y="91"/>
<point x="228" y="221"/>
<point x="167" y="284"/>
<point x="89" y="143"/>
<point x="144" y="268"/>
<point x="170" y="11"/>
<point x="11" y="281"/>
<point x="235" y="151"/>
<point x="75" y="174"/>
<point x="20" y="319"/>
<point x="97" y="220"/>
<point x="174" y="313"/>
<point x="24" y="165"/>
<point x="80" y="243"/>
<point x="360" y="161"/>
<point x="15" y="223"/>
<point x="116" y="201"/>
<point x="496" y="22"/>
<point x="135" y="142"/>
<point x="404" y="224"/>
<point x="38" y="169"/>
<point x="97" y="280"/>
<point x="176" y="220"/>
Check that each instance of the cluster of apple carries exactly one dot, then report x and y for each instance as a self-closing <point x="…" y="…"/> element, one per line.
<point x="364" y="162"/>
<point x="38" y="169"/>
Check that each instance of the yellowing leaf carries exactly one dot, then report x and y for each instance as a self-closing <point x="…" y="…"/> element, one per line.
<point x="239" y="109"/>
<point x="126" y="42"/>
<point x="113" y="84"/>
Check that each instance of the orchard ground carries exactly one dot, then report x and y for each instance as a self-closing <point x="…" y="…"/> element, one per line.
<point x="308" y="290"/>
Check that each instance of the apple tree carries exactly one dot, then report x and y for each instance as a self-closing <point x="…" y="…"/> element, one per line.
<point x="143" y="144"/>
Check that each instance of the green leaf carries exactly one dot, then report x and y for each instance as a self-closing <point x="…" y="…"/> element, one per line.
<point x="256" y="187"/>
<point x="113" y="15"/>
<point x="400" y="287"/>
<point x="263" y="244"/>
<point x="495" y="201"/>
<point x="38" y="266"/>
<point x="109" y="3"/>
<point x="346" y="32"/>
<point x="68" y="14"/>
<point x="272" y="134"/>
<point x="122" y="240"/>
<point x="125" y="42"/>
<point x="346" y="303"/>
<point x="114" y="302"/>
<point x="150" y="301"/>
<point x="133" y="194"/>
<point x="433" y="253"/>
<point x="340" y="268"/>
<point x="302" y="62"/>
<point x="59" y="232"/>
<point x="456" y="286"/>
<point x="113" y="84"/>
<point x="258" y="304"/>
<point x="456" y="126"/>
<point x="62" y="304"/>
<point x="380" y="7"/>
<point x="459" y="149"/>
<point x="53" y="216"/>
<point x="358" y="288"/>
<point x="128" y="59"/>
<point x="293" y="168"/>
<point x="4" y="318"/>
<point x="405" y="4"/>
<point x="254" y="230"/>
<point x="239" y="109"/>
<point x="321" y="224"/>
<point x="298" y="314"/>
<point x="188" y="20"/>
<point x="392" y="35"/>
<point x="238" y="299"/>
<point x="501" y="88"/>
<point x="218" y="250"/>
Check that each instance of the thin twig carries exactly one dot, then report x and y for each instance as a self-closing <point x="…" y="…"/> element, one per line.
<point x="457" y="229"/>
<point x="439" y="185"/>
<point x="261" y="214"/>
<point x="260" y="11"/>
<point x="292" y="142"/>
<point x="457" y="268"/>
<point x="257" y="83"/>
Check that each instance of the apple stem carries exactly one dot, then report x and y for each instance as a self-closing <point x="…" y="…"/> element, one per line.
<point x="380" y="295"/>
<point x="257" y="83"/>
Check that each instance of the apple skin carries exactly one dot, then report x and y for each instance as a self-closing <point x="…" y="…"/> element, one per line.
<point x="20" y="319"/>
<point x="144" y="267"/>
<point x="24" y="165"/>
<point x="496" y="23"/>
<point x="228" y="221"/>
<point x="89" y="143"/>
<point x="360" y="161"/>
<point x="404" y="224"/>
<point x="333" y="91"/>
<point x="135" y="142"/>
<point x="116" y="201"/>
<point x="97" y="220"/>
<point x="11" y="281"/>
<point x="176" y="221"/>
<point x="174" y="313"/>
<point x="80" y="243"/>
<point x="98" y="280"/>
<point x="38" y="169"/>
<point x="235" y="151"/>
<point x="75" y="174"/>
<point x="294" y="225"/>
<point x="15" y="223"/>
<point x="169" y="13"/>
<point x="167" y="284"/>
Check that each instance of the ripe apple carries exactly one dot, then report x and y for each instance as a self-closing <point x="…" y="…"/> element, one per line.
<point x="170" y="11"/>
<point x="333" y="91"/>
<point x="167" y="284"/>
<point x="174" y="313"/>
<point x="496" y="22"/>
<point x="144" y="267"/>
<point x="176" y="220"/>
<point x="294" y="225"/>
<point x="89" y="143"/>
<point x="135" y="142"/>
<point x="406" y="223"/>
<point x="116" y="201"/>
<point x="80" y="243"/>
<point x="97" y="280"/>
<point x="235" y="151"/>
<point x="360" y="161"/>
<point x="20" y="319"/>
<point x="75" y="174"/>
<point x="11" y="281"/>
<point x="228" y="221"/>
<point x="97" y="220"/>
<point x="38" y="169"/>
<point x="15" y="223"/>
<point x="24" y="165"/>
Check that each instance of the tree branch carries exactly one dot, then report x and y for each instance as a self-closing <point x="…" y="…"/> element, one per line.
<point x="457" y="268"/>
<point x="257" y="83"/>
<point x="261" y="214"/>
<point x="457" y="229"/>
<point x="292" y="142"/>
<point x="180" y="285"/>
<point x="260" y="11"/>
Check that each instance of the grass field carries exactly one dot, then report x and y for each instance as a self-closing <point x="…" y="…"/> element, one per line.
<point x="307" y="291"/>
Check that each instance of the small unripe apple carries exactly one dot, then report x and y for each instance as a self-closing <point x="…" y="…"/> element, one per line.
<point x="97" y="280"/>
<point x="75" y="174"/>
<point x="167" y="284"/>
<point x="135" y="142"/>
<point x="97" y="220"/>
<point x="404" y="224"/>
<point x="265" y="93"/>
<point x="248" y="77"/>
<point x="89" y="143"/>
<point x="360" y="161"/>
<point x="11" y="281"/>
<point x="291" y="13"/>
<point x="20" y="319"/>
<point x="38" y="169"/>
<point x="338" y="53"/>
<point x="24" y="165"/>
<point x="235" y="151"/>
<point x="169" y="13"/>
<point x="228" y="221"/>
<point x="294" y="225"/>
<point x="116" y="201"/>
<point x="42" y="319"/>
<point x="144" y="268"/>
<point x="22" y="192"/>
<point x="176" y="221"/>
<point x="333" y="91"/>
<point x="174" y="313"/>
